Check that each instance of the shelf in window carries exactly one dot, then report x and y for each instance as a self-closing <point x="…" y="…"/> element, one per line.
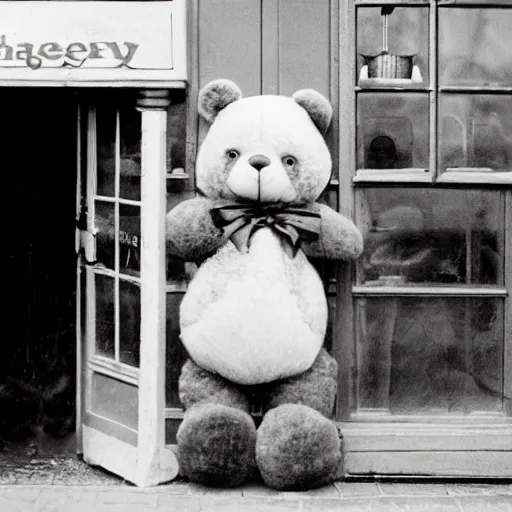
<point x="431" y="290"/>
<point x="414" y="175"/>
<point x="478" y="175"/>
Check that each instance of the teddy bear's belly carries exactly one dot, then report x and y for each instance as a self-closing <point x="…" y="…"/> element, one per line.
<point x="255" y="317"/>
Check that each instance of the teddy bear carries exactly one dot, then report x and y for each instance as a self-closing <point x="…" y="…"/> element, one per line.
<point x="254" y="316"/>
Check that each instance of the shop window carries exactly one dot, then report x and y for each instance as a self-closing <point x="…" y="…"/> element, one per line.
<point x="431" y="175"/>
<point x="423" y="354"/>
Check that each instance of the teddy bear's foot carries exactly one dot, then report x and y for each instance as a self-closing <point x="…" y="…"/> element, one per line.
<point x="297" y="448"/>
<point x="216" y="445"/>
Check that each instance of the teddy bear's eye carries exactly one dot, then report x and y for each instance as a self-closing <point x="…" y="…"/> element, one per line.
<point x="289" y="161"/>
<point x="232" y="154"/>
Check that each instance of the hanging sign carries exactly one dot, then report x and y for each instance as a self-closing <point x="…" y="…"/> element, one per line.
<point x="70" y="36"/>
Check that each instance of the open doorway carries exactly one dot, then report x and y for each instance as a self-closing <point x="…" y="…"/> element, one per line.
<point x="38" y="151"/>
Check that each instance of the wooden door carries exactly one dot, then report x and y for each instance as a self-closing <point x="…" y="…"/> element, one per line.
<point x="122" y="427"/>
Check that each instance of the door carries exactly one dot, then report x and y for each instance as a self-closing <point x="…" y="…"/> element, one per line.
<point x="122" y="367"/>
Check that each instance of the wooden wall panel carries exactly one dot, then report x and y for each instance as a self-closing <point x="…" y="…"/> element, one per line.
<point x="230" y="42"/>
<point x="304" y="46"/>
<point x="228" y="46"/>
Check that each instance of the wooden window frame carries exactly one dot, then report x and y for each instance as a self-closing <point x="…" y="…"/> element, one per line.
<point x="437" y="446"/>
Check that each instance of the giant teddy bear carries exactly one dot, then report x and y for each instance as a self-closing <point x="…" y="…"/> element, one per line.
<point x="254" y="316"/>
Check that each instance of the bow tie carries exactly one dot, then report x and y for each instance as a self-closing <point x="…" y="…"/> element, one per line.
<point x="240" y="221"/>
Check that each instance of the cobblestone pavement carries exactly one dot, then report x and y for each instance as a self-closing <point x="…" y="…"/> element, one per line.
<point x="185" y="497"/>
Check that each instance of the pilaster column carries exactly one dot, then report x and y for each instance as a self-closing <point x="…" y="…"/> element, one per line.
<point x="155" y="462"/>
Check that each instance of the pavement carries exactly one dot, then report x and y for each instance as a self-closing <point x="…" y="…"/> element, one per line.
<point x="67" y="484"/>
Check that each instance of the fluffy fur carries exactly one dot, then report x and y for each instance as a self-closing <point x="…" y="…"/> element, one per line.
<point x="218" y="95"/>
<point x="253" y="321"/>
<point x="318" y="108"/>
<point x="290" y="460"/>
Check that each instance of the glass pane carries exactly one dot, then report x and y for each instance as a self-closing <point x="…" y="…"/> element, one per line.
<point x="392" y="131"/>
<point x="105" y="316"/>
<point x="176" y="355"/>
<point x="431" y="236"/>
<point x="115" y="400"/>
<point x="130" y="134"/>
<point x="392" y="43"/>
<point x="104" y="222"/>
<point x="106" y="147"/>
<point x="129" y="323"/>
<point x="430" y="355"/>
<point x="478" y="52"/>
<point x="129" y="239"/>
<point x="176" y="133"/>
<point x="476" y="132"/>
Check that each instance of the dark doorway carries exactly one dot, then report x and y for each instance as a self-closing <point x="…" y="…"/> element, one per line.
<point x="38" y="151"/>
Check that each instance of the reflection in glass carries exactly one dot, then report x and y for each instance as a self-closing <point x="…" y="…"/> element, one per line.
<point x="130" y="159"/>
<point x="129" y="323"/>
<point x="431" y="236"/>
<point x="394" y="41"/>
<point x="430" y="355"/>
<point x="104" y="221"/>
<point x="105" y="316"/>
<point x="176" y="354"/>
<point x="106" y="147"/>
<point x="129" y="239"/>
<point x="478" y="52"/>
<point x="392" y="131"/>
<point x="476" y="132"/>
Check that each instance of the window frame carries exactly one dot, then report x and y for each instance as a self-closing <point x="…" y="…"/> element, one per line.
<point x="413" y="444"/>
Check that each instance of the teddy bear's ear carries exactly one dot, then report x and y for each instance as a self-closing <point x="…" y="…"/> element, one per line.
<point x="317" y="106"/>
<point x="215" y="96"/>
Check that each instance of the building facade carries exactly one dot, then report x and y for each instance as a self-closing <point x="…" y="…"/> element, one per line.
<point x="101" y="100"/>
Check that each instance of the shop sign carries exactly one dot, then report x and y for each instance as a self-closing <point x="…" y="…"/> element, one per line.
<point x="127" y="35"/>
<point x="90" y="54"/>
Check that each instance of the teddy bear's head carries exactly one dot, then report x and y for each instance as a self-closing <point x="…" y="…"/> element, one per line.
<point x="267" y="149"/>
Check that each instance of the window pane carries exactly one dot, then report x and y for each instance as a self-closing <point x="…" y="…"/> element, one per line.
<point x="106" y="147"/>
<point x="406" y="31"/>
<point x="431" y="236"/>
<point x="115" y="400"/>
<point x="392" y="131"/>
<point x="130" y="134"/>
<point x="478" y="51"/>
<point x="476" y="132"/>
<point x="430" y="355"/>
<point x="129" y="323"/>
<point x="129" y="239"/>
<point x="104" y="222"/>
<point x="105" y="316"/>
<point x="176" y="355"/>
<point x="176" y="134"/>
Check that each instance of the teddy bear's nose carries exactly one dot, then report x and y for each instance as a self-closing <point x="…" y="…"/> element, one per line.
<point x="259" y="162"/>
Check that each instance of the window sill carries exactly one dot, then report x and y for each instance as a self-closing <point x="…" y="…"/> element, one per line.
<point x="475" y="175"/>
<point x="411" y="175"/>
<point x="435" y="290"/>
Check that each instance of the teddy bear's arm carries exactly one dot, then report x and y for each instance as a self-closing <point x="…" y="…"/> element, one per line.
<point x="339" y="238"/>
<point x="190" y="232"/>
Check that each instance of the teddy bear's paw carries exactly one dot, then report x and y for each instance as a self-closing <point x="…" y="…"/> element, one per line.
<point x="216" y="445"/>
<point x="297" y="448"/>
